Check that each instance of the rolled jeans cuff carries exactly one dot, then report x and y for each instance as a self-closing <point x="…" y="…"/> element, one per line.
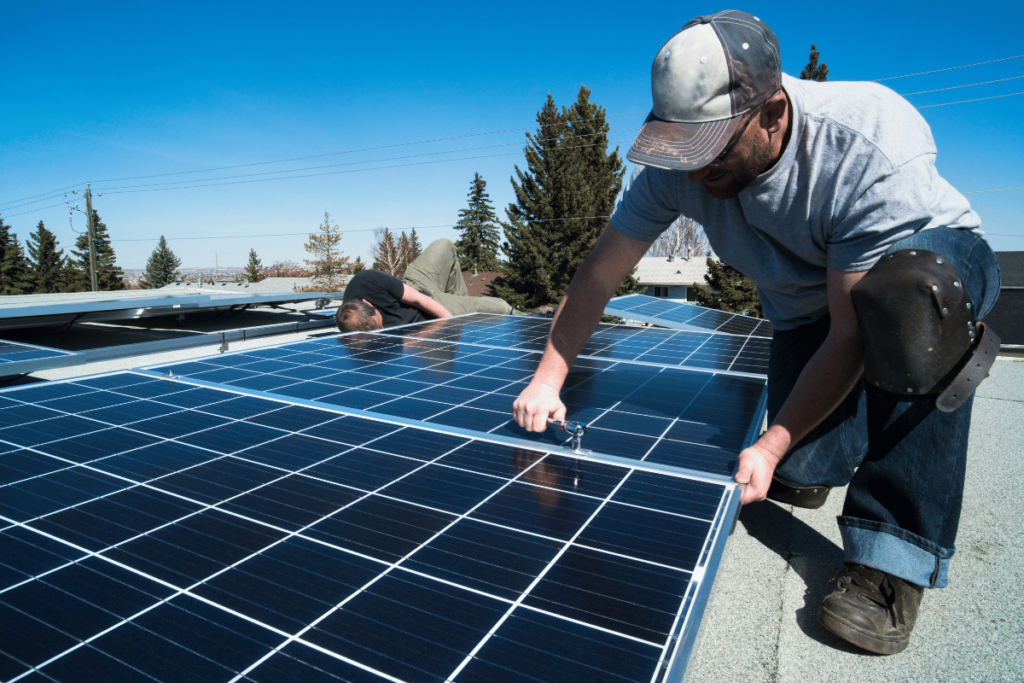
<point x="894" y="551"/>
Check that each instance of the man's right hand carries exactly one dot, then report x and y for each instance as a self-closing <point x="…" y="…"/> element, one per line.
<point x="535" y="405"/>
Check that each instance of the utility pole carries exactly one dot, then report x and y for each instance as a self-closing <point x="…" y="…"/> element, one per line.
<point x="92" y="236"/>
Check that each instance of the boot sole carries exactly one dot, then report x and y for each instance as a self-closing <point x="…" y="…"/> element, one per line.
<point x="855" y="636"/>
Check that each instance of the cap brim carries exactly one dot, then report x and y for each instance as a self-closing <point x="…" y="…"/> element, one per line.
<point x="681" y="146"/>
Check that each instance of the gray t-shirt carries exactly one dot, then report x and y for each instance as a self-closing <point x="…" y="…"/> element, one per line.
<point x="857" y="175"/>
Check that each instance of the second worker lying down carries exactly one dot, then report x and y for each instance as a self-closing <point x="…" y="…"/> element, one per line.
<point x="432" y="288"/>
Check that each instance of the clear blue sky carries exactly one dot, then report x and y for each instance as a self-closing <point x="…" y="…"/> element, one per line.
<point x="102" y="91"/>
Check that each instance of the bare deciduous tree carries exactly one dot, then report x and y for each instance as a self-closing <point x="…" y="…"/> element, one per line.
<point x="386" y="254"/>
<point x="685" y="239"/>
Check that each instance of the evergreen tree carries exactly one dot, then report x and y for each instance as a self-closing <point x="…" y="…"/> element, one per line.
<point x="414" y="242"/>
<point x="562" y="203"/>
<point x="46" y="261"/>
<point x="253" y="269"/>
<point x="109" y="275"/>
<point x="356" y="265"/>
<point x="814" y="71"/>
<point x="15" y="276"/>
<point x="478" y="246"/>
<point x="162" y="267"/>
<point x="327" y="264"/>
<point x="728" y="290"/>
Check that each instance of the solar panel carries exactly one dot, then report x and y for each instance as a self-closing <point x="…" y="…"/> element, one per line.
<point x="16" y="358"/>
<point x="680" y="315"/>
<point x="691" y="419"/>
<point x="30" y="310"/>
<point x="162" y="529"/>
<point x="711" y="351"/>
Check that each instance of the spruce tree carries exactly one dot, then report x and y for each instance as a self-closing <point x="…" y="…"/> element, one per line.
<point x="562" y="203"/>
<point x="478" y="246"/>
<point x="15" y="275"/>
<point x="814" y="71"/>
<point x="327" y="264"/>
<point x="162" y="267"/>
<point x="414" y="242"/>
<point x="253" y="269"/>
<point x="109" y="275"/>
<point x="728" y="290"/>
<point x="46" y="261"/>
<point x="386" y="256"/>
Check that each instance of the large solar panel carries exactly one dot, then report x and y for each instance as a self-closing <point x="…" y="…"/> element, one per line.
<point x="17" y="358"/>
<point x="31" y="310"/>
<point x="157" y="529"/>
<point x="691" y="349"/>
<point x="691" y="419"/>
<point x="680" y="315"/>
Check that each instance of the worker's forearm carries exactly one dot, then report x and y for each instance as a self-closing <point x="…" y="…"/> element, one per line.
<point x="825" y="381"/>
<point x="576" y="319"/>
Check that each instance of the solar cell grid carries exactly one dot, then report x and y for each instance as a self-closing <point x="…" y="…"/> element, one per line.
<point x="16" y="352"/>
<point x="681" y="315"/>
<point x="691" y="347"/>
<point x="633" y="410"/>
<point x="321" y="546"/>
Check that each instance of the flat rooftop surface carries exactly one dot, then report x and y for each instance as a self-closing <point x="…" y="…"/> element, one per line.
<point x="761" y="624"/>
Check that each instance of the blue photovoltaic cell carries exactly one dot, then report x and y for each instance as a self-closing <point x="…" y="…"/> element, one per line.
<point x="692" y="347"/>
<point x="669" y="415"/>
<point x="15" y="352"/>
<point x="681" y="315"/>
<point x="200" y="534"/>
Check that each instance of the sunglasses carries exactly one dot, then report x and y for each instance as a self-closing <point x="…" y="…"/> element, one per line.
<point x="720" y="159"/>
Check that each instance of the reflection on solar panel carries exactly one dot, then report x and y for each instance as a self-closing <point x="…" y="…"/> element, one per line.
<point x="152" y="528"/>
<point x="680" y="315"/>
<point x="684" y="418"/>
<point x="622" y="342"/>
<point x="20" y="356"/>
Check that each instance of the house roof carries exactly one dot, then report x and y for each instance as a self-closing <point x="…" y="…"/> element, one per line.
<point x="480" y="283"/>
<point x="1011" y="266"/>
<point x="658" y="270"/>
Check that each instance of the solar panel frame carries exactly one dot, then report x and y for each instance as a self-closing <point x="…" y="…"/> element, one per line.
<point x="681" y="315"/>
<point x="17" y="358"/>
<point x="692" y="602"/>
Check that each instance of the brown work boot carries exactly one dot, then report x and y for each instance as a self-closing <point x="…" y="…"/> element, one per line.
<point x="871" y="609"/>
<point x="810" y="497"/>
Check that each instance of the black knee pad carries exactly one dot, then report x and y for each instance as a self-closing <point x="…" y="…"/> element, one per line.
<point x="919" y="333"/>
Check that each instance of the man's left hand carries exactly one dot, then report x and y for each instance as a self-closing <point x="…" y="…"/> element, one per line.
<point x="756" y="466"/>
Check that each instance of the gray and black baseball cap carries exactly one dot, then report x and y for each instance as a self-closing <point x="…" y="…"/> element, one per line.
<point x="714" y="70"/>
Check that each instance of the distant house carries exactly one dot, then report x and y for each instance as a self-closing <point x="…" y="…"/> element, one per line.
<point x="671" y="277"/>
<point x="1007" y="316"/>
<point x="479" y="283"/>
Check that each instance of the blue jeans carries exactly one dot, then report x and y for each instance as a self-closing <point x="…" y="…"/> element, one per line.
<point x="904" y="459"/>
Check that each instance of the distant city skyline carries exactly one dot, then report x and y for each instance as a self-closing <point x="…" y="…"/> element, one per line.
<point x="181" y="118"/>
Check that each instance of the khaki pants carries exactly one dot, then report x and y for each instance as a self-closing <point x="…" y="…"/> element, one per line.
<point x="436" y="273"/>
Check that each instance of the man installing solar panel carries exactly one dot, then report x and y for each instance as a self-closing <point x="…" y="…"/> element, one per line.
<point x="872" y="271"/>
<point x="431" y="288"/>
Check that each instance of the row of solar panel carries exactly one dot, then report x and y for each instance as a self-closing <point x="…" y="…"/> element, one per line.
<point x="692" y="349"/>
<point x="156" y="529"/>
<point x="686" y="316"/>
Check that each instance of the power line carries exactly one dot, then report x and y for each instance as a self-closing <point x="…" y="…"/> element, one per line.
<point x="355" y="163"/>
<point x="1004" y="189"/>
<point x="63" y="189"/>
<point x="980" y="99"/>
<point x="33" y="210"/>
<point x="951" y="68"/>
<point x="343" y="232"/>
<point x="353" y="170"/>
<point x="969" y="85"/>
